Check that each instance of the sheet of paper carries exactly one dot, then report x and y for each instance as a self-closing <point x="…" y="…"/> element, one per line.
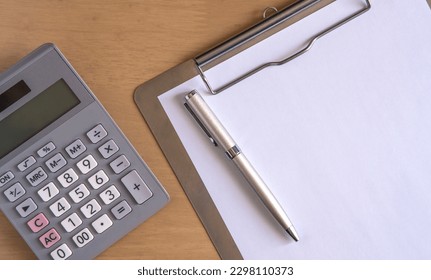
<point x="341" y="135"/>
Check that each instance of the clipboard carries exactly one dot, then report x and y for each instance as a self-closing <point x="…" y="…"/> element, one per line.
<point x="146" y="98"/>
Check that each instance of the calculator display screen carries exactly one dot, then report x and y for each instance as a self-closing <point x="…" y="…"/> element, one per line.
<point x="35" y="115"/>
<point x="13" y="94"/>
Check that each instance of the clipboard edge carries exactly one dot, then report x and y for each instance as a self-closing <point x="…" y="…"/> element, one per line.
<point x="146" y="98"/>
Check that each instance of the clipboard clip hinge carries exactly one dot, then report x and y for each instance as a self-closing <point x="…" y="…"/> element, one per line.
<point x="309" y="45"/>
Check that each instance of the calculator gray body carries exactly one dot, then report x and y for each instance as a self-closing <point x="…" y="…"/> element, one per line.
<point x="41" y="69"/>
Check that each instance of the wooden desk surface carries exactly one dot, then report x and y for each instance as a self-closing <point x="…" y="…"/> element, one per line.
<point x="115" y="46"/>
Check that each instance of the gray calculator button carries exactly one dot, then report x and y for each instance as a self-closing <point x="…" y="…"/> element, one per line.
<point x="6" y="178"/>
<point x="119" y="164"/>
<point x="14" y="192"/>
<point x="36" y="177"/>
<point x="75" y="149"/>
<point x="96" y="134"/>
<point x="108" y="149"/>
<point x="26" y="207"/>
<point x="121" y="210"/>
<point x="42" y="152"/>
<point x="56" y="163"/>
<point x="22" y="166"/>
<point x="137" y="187"/>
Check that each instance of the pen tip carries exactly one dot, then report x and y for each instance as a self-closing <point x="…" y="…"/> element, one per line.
<point x="292" y="232"/>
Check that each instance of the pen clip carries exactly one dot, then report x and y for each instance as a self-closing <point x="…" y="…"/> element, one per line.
<point x="200" y="124"/>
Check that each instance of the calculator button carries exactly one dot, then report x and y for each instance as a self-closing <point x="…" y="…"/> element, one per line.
<point x="67" y="178"/>
<point x="6" y="178"/>
<point x="36" y="177"/>
<point x="60" y="207"/>
<point x="137" y="187"/>
<point x="82" y="238"/>
<point x="56" y="163"/>
<point x="79" y="193"/>
<point x="120" y="164"/>
<point x="50" y="238"/>
<point x="121" y="210"/>
<point x="96" y="134"/>
<point x="14" y="192"/>
<point x="47" y="192"/>
<point x="108" y="149"/>
<point x="42" y="152"/>
<point x="61" y="253"/>
<point x="86" y="164"/>
<point x="38" y="223"/>
<point x="22" y="166"/>
<point x="98" y="179"/>
<point x="109" y="195"/>
<point x="75" y="149"/>
<point x="91" y="208"/>
<point x="102" y="223"/>
<point x="26" y="207"/>
<point x="71" y="222"/>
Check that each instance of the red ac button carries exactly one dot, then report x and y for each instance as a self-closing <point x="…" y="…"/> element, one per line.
<point x="50" y="238"/>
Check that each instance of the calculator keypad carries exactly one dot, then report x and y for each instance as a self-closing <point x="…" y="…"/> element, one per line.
<point x="65" y="180"/>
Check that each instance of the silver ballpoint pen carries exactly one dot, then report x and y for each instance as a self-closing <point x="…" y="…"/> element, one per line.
<point x="220" y="137"/>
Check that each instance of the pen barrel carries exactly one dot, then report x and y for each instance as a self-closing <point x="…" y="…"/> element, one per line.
<point x="263" y="192"/>
<point x="209" y="120"/>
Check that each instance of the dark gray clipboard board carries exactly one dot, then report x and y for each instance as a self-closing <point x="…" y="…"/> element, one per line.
<point x="146" y="98"/>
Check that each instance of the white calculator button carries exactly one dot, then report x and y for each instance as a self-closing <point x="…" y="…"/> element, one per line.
<point x="102" y="223"/>
<point x="71" y="222"/>
<point x="82" y="238"/>
<point x="42" y="152"/>
<point x="22" y="166"/>
<point x="98" y="179"/>
<point x="120" y="164"/>
<point x="79" y="193"/>
<point x="60" y="207"/>
<point x="14" y="192"/>
<point x="108" y="149"/>
<point x="56" y="163"/>
<point x="47" y="192"/>
<point x="121" y="210"/>
<point x="6" y="178"/>
<point x="26" y="207"/>
<point x="36" y="177"/>
<point x="61" y="253"/>
<point x="75" y="149"/>
<point x="137" y="187"/>
<point x="91" y="208"/>
<point x="86" y="164"/>
<point x="67" y="178"/>
<point x="109" y="195"/>
<point x="96" y="134"/>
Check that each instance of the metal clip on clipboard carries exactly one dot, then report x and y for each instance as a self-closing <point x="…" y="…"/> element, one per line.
<point x="239" y="40"/>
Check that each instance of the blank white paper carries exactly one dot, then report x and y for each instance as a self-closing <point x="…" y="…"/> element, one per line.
<point x="341" y="135"/>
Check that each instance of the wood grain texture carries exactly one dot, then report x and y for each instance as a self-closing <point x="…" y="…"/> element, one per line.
<point x="115" y="46"/>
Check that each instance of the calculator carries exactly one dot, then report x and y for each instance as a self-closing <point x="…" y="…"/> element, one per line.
<point x="70" y="182"/>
